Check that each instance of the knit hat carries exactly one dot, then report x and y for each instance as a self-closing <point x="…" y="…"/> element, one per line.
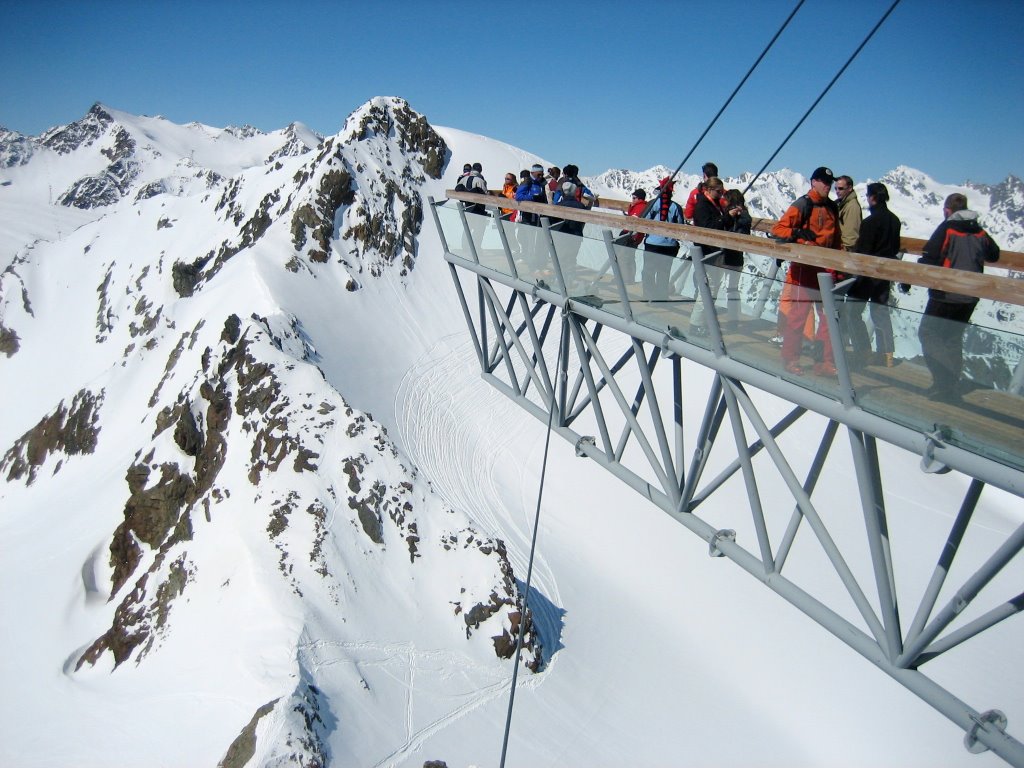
<point x="666" y="184"/>
<point x="569" y="189"/>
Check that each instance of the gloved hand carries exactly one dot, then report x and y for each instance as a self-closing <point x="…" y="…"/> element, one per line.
<point x="803" y="234"/>
<point x="904" y="287"/>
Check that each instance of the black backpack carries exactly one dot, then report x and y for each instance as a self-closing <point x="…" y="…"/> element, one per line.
<point x="481" y="190"/>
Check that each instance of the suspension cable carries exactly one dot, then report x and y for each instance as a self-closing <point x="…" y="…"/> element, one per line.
<point x="822" y="94"/>
<point x="533" y="549"/>
<point x="728" y="101"/>
<point x="737" y="88"/>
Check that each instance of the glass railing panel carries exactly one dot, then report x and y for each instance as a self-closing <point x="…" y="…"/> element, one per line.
<point x="664" y="292"/>
<point x="530" y="252"/>
<point x="585" y="266"/>
<point x="451" y="227"/>
<point x="972" y="407"/>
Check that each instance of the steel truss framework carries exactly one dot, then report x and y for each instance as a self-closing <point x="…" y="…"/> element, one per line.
<point x="616" y="405"/>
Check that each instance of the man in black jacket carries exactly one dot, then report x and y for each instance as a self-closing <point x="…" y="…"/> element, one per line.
<point x="959" y="242"/>
<point x="879" y="236"/>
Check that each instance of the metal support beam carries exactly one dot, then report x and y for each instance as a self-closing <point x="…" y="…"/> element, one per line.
<point x="650" y="457"/>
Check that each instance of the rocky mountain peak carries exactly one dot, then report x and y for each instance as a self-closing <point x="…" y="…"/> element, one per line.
<point x="390" y="117"/>
<point x="244" y="132"/>
<point x="81" y="133"/>
<point x="15" y="148"/>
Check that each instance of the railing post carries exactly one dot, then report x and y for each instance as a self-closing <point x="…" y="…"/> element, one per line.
<point x="828" y="301"/>
<point x="627" y="310"/>
<point x="769" y="281"/>
<point x="710" y="312"/>
<point x="504" y="242"/>
<point x="545" y="223"/>
<point x="468" y="233"/>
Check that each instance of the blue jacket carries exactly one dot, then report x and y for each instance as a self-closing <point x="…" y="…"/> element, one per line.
<point x="532" y="191"/>
<point x="675" y="216"/>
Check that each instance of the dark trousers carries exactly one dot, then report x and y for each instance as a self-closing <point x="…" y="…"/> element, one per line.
<point x="657" y="270"/>
<point x="941" y="334"/>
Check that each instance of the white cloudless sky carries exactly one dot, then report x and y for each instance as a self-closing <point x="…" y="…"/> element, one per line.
<point x="601" y="84"/>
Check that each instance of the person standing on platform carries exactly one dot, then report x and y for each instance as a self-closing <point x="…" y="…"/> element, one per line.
<point x="850" y="213"/>
<point x="554" y="174"/>
<point x="567" y="248"/>
<point x="627" y="242"/>
<point x="708" y="214"/>
<point x="740" y="222"/>
<point x="959" y="242"/>
<point x="851" y="311"/>
<point x="709" y="170"/>
<point x="660" y="250"/>
<point x="879" y="236"/>
<point x="813" y="219"/>
<point x="477" y="214"/>
<point x="531" y="189"/>
<point x="508" y="190"/>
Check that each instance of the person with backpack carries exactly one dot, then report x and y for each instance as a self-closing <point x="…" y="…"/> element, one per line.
<point x="466" y="170"/>
<point x="659" y="250"/>
<point x="812" y="219"/>
<point x="477" y="219"/>
<point x="473" y="181"/>
<point x="583" y="193"/>
<point x="959" y="242"/>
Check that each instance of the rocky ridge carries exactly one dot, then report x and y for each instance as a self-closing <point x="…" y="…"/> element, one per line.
<point x="323" y="488"/>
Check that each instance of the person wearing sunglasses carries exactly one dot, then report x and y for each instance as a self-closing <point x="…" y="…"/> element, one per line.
<point x="850" y="213"/>
<point x="508" y="189"/>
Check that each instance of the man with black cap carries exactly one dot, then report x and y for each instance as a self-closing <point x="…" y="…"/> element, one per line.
<point x="812" y="219"/>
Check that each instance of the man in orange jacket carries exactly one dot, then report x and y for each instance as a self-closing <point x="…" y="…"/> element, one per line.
<point x="813" y="219"/>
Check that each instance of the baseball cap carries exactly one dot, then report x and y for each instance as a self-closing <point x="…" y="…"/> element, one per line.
<point x="823" y="174"/>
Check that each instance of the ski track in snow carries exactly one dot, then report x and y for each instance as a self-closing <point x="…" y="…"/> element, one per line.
<point x="437" y="402"/>
<point x="405" y="655"/>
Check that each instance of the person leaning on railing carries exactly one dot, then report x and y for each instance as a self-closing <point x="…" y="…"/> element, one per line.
<point x="959" y="242"/>
<point x="812" y="219"/>
<point x="658" y="266"/>
<point x="879" y="236"/>
<point x="631" y="240"/>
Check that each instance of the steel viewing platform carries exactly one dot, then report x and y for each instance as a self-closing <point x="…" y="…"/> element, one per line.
<point x="573" y="330"/>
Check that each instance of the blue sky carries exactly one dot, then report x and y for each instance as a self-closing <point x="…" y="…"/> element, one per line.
<point x="602" y="84"/>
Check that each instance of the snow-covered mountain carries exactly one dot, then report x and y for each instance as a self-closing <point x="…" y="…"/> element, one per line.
<point x="254" y="492"/>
